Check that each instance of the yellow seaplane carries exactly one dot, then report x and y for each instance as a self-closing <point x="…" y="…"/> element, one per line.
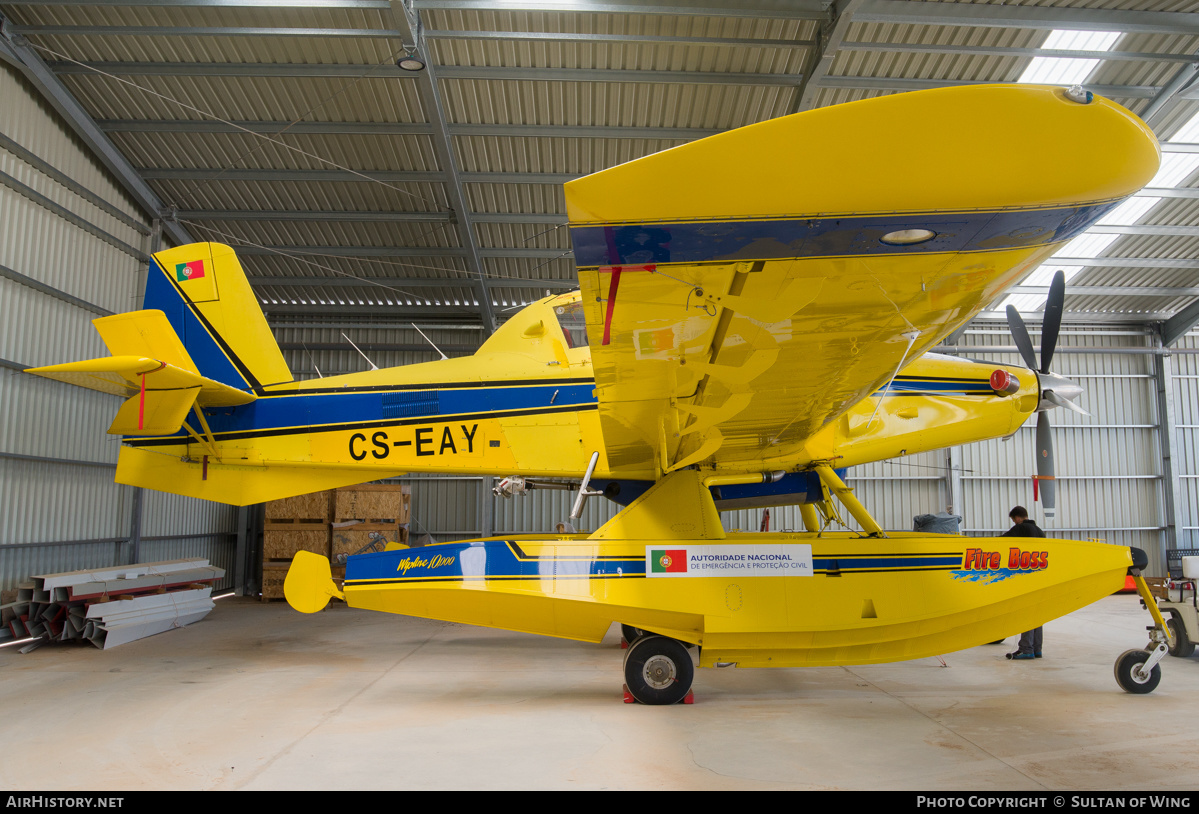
<point x="754" y="316"/>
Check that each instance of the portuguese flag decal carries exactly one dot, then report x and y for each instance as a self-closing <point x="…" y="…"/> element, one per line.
<point x="668" y="561"/>
<point x="189" y="271"/>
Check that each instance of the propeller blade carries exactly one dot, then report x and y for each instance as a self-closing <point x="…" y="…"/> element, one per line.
<point x="1045" y="464"/>
<point x="1020" y="334"/>
<point x="1049" y="395"/>
<point x="1052" y="323"/>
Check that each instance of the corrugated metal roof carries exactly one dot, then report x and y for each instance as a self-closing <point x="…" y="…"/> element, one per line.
<point x="602" y="70"/>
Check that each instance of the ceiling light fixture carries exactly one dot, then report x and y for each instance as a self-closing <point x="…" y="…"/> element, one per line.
<point x="410" y="62"/>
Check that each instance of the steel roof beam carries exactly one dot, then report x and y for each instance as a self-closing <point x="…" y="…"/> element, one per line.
<point x="887" y="11"/>
<point x="51" y="88"/>
<point x="267" y="281"/>
<point x="1000" y="51"/>
<point x="380" y="33"/>
<point x="199" y="31"/>
<point x="265" y="4"/>
<point x="366" y="217"/>
<point x="1125" y="262"/>
<point x="894" y="84"/>
<point x="1084" y="317"/>
<point x="1168" y="192"/>
<point x="306" y="215"/>
<point x="429" y="89"/>
<point x="402" y="314"/>
<point x="1110" y="290"/>
<point x="269" y="128"/>
<point x="1077" y="19"/>
<point x="392" y="129"/>
<point x="342" y="176"/>
<point x="1170" y="96"/>
<point x="317" y="71"/>
<point x="472" y="72"/>
<point x="395" y="251"/>
<point x="435" y="282"/>
<point x="1178" y="325"/>
<point x="777" y="9"/>
<point x="820" y="60"/>
<point x="1146" y="229"/>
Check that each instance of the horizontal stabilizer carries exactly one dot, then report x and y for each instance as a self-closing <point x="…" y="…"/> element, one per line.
<point x="157" y="395"/>
<point x="234" y="481"/>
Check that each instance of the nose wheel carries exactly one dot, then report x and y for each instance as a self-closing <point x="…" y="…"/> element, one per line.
<point x="1137" y="671"/>
<point x="658" y="670"/>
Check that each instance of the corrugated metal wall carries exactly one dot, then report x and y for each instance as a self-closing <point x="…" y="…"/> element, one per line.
<point x="1108" y="466"/>
<point x="59" y="507"/>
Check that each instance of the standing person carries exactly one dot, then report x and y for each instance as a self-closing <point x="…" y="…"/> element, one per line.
<point x="1030" y="642"/>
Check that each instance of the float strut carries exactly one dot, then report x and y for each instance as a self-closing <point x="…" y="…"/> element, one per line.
<point x="810" y="520"/>
<point x="846" y="496"/>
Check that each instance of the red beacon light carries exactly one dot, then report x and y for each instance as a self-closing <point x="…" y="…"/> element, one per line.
<point x="1004" y="382"/>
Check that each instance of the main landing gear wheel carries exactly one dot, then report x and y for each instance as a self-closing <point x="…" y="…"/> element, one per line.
<point x="1180" y="646"/>
<point x="1129" y="675"/>
<point x="658" y="670"/>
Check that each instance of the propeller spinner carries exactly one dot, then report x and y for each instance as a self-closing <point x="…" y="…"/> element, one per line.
<point x="1056" y="391"/>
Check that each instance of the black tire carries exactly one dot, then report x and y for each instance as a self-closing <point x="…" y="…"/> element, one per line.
<point x="658" y="670"/>
<point x="1130" y="660"/>
<point x="630" y="633"/>
<point x="1180" y="645"/>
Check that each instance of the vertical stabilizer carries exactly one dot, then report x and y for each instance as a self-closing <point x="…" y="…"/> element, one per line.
<point x="208" y="301"/>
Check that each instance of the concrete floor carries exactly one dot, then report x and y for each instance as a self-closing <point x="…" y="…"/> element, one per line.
<point x="257" y="696"/>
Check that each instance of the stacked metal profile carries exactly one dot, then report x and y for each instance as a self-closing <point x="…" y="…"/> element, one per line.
<point x="334" y="524"/>
<point x="114" y="606"/>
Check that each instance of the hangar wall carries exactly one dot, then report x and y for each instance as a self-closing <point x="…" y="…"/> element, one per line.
<point x="1111" y="475"/>
<point x="72" y="248"/>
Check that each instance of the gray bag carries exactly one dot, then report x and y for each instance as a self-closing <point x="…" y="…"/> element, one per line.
<point x="940" y="523"/>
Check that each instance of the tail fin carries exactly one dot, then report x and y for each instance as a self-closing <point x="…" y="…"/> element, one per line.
<point x="209" y="303"/>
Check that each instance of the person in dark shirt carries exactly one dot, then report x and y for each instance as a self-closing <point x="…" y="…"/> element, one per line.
<point x="1030" y="642"/>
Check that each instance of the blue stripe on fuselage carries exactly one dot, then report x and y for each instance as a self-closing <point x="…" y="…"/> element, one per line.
<point x="210" y="360"/>
<point x="275" y="412"/>
<point x="783" y="238"/>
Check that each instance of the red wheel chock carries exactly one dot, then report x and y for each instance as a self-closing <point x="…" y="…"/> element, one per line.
<point x="689" y="698"/>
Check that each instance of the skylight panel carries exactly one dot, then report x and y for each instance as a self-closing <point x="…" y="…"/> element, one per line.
<point x="1174" y="169"/>
<point x="1129" y="212"/>
<point x="1066" y="70"/>
<point x="1086" y="246"/>
<point x="1188" y="133"/>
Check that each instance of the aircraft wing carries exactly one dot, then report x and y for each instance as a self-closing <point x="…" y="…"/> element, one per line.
<point x="740" y="364"/>
<point x="744" y="290"/>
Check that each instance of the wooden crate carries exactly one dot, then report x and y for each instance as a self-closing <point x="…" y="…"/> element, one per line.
<point x="282" y="542"/>
<point x="316" y="507"/>
<point x="273" y="575"/>
<point x="373" y="504"/>
<point x="352" y="538"/>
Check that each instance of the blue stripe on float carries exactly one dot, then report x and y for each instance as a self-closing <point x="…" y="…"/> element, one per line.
<point x="886" y="563"/>
<point x="482" y="559"/>
<point x="777" y="239"/>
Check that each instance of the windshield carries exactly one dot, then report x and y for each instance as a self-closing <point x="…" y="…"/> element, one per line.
<point x="574" y="326"/>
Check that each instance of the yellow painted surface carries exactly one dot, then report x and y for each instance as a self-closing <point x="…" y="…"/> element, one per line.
<point x="945" y="149"/>
<point x="780" y="621"/>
